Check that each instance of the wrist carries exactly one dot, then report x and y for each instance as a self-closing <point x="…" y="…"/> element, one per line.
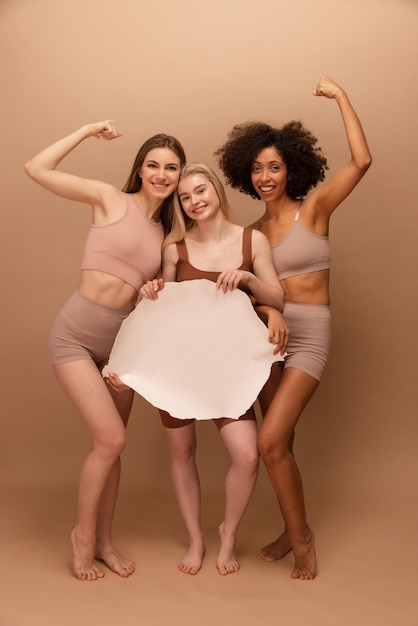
<point x="249" y="279"/>
<point x="341" y="97"/>
<point x="86" y="131"/>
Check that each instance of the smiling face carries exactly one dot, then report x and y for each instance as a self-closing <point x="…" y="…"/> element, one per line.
<point x="160" y="173"/>
<point x="198" y="197"/>
<point x="269" y="174"/>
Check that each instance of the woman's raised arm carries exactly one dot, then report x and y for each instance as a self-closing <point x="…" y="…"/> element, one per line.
<point x="330" y="195"/>
<point x="42" y="167"/>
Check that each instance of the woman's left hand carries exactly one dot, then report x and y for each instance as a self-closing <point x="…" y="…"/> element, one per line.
<point x="150" y="290"/>
<point x="229" y="280"/>
<point x="116" y="384"/>
<point x="278" y="331"/>
<point x="327" y="87"/>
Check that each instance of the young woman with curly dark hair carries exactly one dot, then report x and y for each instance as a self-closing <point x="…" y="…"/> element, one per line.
<point x="281" y="166"/>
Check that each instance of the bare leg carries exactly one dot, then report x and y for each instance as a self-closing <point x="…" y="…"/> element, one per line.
<point x="240" y="438"/>
<point x="278" y="548"/>
<point x="268" y="392"/>
<point x="105" y="550"/>
<point x="86" y="388"/>
<point x="275" y="443"/>
<point x="182" y="444"/>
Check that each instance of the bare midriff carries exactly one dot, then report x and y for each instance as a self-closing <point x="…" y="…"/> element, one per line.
<point x="107" y="289"/>
<point x="312" y="288"/>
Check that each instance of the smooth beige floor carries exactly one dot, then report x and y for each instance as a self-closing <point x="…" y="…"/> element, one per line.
<point x="194" y="71"/>
<point x="367" y="566"/>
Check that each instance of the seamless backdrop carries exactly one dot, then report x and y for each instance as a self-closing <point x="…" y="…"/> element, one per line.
<point x="193" y="70"/>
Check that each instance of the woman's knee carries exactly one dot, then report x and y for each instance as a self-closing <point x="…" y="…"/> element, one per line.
<point x="183" y="453"/>
<point x="111" y="445"/>
<point x="247" y="460"/>
<point x="253" y="465"/>
<point x="271" y="449"/>
<point x="252" y="460"/>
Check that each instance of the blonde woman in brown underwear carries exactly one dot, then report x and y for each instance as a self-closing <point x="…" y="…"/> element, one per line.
<point x="123" y="251"/>
<point x="280" y="166"/>
<point x="213" y="248"/>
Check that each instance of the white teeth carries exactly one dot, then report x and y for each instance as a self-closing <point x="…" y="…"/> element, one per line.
<point x="266" y="189"/>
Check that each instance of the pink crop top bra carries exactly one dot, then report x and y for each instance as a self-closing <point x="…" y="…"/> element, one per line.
<point x="300" y="252"/>
<point x="129" y="248"/>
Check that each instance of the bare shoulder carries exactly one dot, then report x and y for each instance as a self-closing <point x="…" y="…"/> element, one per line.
<point x="259" y="239"/>
<point x="112" y="195"/>
<point x="109" y="205"/>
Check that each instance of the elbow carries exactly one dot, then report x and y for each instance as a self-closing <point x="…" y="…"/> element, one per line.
<point x="29" y="169"/>
<point x="367" y="163"/>
<point x="364" y="163"/>
<point x="34" y="172"/>
<point x="279" y="301"/>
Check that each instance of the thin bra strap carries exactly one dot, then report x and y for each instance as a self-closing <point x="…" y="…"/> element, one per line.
<point x="298" y="212"/>
<point x="247" y="256"/>
<point x="182" y="251"/>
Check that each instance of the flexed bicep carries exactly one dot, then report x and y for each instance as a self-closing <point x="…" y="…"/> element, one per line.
<point x="42" y="168"/>
<point x="332" y="193"/>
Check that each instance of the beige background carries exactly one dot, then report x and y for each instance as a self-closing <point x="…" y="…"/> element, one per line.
<point x="193" y="69"/>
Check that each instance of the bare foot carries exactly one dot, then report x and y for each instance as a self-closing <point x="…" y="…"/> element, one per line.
<point x="83" y="560"/>
<point x="114" y="560"/>
<point x="191" y="562"/>
<point x="305" y="559"/>
<point x="227" y="561"/>
<point x="277" y="549"/>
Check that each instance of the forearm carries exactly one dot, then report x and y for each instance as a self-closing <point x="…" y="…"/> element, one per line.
<point x="278" y="330"/>
<point x="360" y="153"/>
<point x="262" y="311"/>
<point x="265" y="294"/>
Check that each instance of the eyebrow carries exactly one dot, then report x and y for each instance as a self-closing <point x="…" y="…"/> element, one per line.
<point x="269" y="162"/>
<point x="186" y="193"/>
<point x="157" y="162"/>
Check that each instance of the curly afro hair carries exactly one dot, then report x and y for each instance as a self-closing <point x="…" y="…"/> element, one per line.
<point x="305" y="164"/>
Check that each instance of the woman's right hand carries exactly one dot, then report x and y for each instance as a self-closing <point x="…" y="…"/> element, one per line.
<point x="104" y="130"/>
<point x="151" y="288"/>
